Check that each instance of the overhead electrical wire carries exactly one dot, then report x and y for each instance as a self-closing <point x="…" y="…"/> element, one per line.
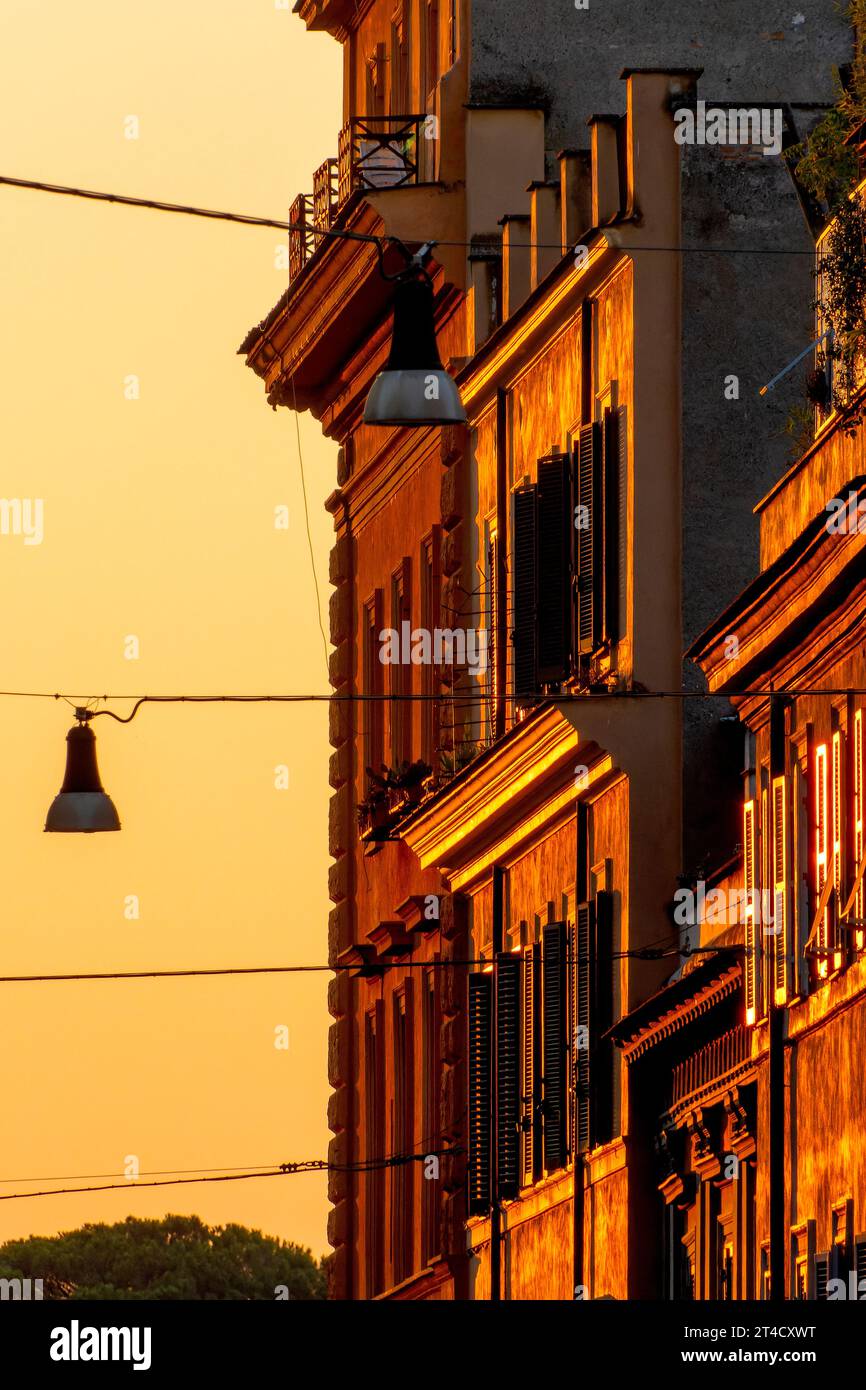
<point x="422" y="1147"/>
<point x="312" y="1165"/>
<point x="364" y="697"/>
<point x="149" y="1173"/>
<point x="344" y="233"/>
<point x="387" y="960"/>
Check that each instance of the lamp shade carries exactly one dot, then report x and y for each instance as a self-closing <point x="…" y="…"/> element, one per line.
<point x="413" y="388"/>
<point x="81" y="804"/>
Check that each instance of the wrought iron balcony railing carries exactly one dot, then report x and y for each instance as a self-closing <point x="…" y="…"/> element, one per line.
<point x="374" y="152"/>
<point x="379" y="152"/>
<point x="301" y="236"/>
<point x="324" y="197"/>
<point x="710" y="1063"/>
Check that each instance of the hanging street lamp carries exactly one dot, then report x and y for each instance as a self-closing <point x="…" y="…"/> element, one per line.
<point x="413" y="388"/>
<point x="82" y="804"/>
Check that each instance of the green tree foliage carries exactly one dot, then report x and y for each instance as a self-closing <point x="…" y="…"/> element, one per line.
<point x="178" y="1257"/>
<point x="825" y="164"/>
<point x="828" y="166"/>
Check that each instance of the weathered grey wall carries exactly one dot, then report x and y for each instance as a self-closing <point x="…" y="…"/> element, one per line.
<point x="570" y="59"/>
<point x="747" y="311"/>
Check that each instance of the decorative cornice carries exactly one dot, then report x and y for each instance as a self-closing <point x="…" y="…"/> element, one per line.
<point x="663" y="1021"/>
<point x="782" y="604"/>
<point x="412" y="914"/>
<point x="531" y="327"/>
<point x="390" y="938"/>
<point x="715" y="1090"/>
<point x="523" y="785"/>
<point x="336" y="17"/>
<point x="343" y="273"/>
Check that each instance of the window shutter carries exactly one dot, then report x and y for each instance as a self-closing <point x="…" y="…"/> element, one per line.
<point x="480" y="997"/>
<point x="838" y="1264"/>
<point x="583" y="995"/>
<point x="750" y="915"/>
<point x="528" y="1128"/>
<point x="859" y="935"/>
<point x="836" y="827"/>
<point x="588" y="536"/>
<point x="554" y="568"/>
<point x="766" y="871"/>
<point x="821" y="865"/>
<point x="525" y="580"/>
<point x="780" y="890"/>
<point x="605" y="1121"/>
<point x="571" y="1039"/>
<point x="553" y="1046"/>
<point x="860" y="1264"/>
<point x="622" y="521"/>
<point x="508" y="1073"/>
<point x="822" y="1274"/>
<point x="612" y="523"/>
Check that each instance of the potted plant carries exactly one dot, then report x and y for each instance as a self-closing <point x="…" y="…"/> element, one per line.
<point x="409" y="780"/>
<point x="374" y="810"/>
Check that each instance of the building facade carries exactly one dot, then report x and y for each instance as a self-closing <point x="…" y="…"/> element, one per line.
<point x="799" y="633"/>
<point x="511" y="810"/>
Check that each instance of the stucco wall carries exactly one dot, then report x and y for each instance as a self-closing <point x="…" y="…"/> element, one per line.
<point x="546" y="404"/>
<point x="828" y="1158"/>
<point x="606" y="1245"/>
<point x="837" y="459"/>
<point x="538" y="1256"/>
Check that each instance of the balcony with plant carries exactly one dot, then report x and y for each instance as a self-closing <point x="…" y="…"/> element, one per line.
<point x="392" y="793"/>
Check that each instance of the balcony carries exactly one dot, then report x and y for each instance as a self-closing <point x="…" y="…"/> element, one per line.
<point x="706" y="1069"/>
<point x="374" y="153"/>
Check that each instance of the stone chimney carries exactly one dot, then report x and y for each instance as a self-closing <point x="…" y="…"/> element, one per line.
<point x="516" y="282"/>
<point x="545" y="230"/>
<point x="606" y="194"/>
<point x="575" y="196"/>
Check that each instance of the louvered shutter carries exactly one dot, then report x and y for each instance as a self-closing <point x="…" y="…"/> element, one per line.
<point x="822" y="1274"/>
<point x="553" y="1084"/>
<point x="525" y="581"/>
<point x="622" y="521"/>
<point x="554" y="568"/>
<point x="766" y="979"/>
<point x="821" y="864"/>
<point x="859" y="935"/>
<point x="860" y="1265"/>
<point x="605" y="1120"/>
<point x="480" y="998"/>
<point x="780" y="890"/>
<point x="588" y="576"/>
<point x="528" y="1068"/>
<point x="750" y="913"/>
<point x="571" y="1038"/>
<point x="612" y="520"/>
<point x="836" y="829"/>
<point x="508" y="1073"/>
<point x="581" y="966"/>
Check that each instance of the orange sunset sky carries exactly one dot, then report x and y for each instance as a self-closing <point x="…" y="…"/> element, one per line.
<point x="159" y="524"/>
